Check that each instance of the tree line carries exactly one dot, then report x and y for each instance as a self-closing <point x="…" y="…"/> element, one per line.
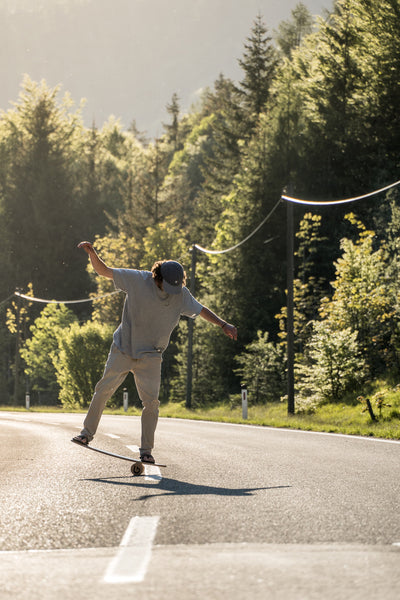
<point x="316" y="112"/>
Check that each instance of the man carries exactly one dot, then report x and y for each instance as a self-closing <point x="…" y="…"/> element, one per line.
<point x="153" y="306"/>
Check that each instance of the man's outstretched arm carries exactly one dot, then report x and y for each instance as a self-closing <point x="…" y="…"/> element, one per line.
<point x="227" y="328"/>
<point x="98" y="265"/>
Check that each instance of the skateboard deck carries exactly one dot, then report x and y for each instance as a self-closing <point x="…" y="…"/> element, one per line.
<point x="137" y="467"/>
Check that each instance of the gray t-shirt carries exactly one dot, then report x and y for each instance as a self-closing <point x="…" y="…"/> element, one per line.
<point x="149" y="314"/>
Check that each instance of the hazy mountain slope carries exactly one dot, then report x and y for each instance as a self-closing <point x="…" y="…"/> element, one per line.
<point x="127" y="57"/>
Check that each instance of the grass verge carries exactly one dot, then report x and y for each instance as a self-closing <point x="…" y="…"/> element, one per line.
<point x="332" y="418"/>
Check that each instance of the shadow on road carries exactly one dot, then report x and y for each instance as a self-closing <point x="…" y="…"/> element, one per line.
<point x="173" y="487"/>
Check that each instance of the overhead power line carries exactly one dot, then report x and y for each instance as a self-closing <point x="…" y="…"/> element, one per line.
<point x="226" y="250"/>
<point x="297" y="201"/>
<point x="243" y="241"/>
<point x="6" y="300"/>
<point x="32" y="299"/>
<point x="332" y="202"/>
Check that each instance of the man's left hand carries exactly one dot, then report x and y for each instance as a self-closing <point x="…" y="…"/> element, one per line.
<point x="230" y="331"/>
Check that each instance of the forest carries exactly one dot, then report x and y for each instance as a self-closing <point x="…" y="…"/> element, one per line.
<point x="316" y="116"/>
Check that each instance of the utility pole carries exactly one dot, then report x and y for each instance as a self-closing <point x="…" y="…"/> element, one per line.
<point x="289" y="324"/>
<point x="190" y="334"/>
<point x="17" y="345"/>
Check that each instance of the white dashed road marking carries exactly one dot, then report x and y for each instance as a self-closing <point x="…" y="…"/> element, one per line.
<point x="134" y="449"/>
<point x="133" y="557"/>
<point x="152" y="473"/>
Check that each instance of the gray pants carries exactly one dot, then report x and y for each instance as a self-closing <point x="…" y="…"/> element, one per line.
<point x="147" y="374"/>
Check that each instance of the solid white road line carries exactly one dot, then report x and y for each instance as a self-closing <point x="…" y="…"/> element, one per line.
<point x="113" y="436"/>
<point x="349" y="436"/>
<point x="131" y="562"/>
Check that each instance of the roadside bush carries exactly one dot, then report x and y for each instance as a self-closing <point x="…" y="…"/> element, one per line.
<point x="40" y="350"/>
<point x="363" y="298"/>
<point x="83" y="351"/>
<point x="333" y="365"/>
<point x="262" y="369"/>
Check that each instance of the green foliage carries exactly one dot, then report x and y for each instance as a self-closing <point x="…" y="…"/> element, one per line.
<point x="392" y="239"/>
<point x="211" y="378"/>
<point x="291" y="32"/>
<point x="164" y="241"/>
<point x="332" y="365"/>
<point x="37" y="185"/>
<point x="80" y="362"/>
<point x="221" y="161"/>
<point x="354" y="333"/>
<point x="362" y="298"/>
<point x="262" y="370"/>
<point x="40" y="350"/>
<point x="308" y="287"/>
<point x="184" y="178"/>
<point x="259" y="64"/>
<point x="379" y="399"/>
<point x="172" y="129"/>
<point x="17" y="316"/>
<point x="247" y="279"/>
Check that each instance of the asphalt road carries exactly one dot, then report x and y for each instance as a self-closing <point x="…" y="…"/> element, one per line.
<point x="240" y="512"/>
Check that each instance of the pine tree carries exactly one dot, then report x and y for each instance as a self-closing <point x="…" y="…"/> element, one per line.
<point x="259" y="63"/>
<point x="172" y="129"/>
<point x="380" y="64"/>
<point x="291" y="32"/>
<point x="221" y="162"/>
<point x="40" y="197"/>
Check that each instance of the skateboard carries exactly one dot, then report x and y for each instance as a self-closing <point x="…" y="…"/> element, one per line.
<point x="136" y="469"/>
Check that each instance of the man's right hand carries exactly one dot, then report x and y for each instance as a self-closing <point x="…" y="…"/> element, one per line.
<point x="87" y="246"/>
<point x="98" y="265"/>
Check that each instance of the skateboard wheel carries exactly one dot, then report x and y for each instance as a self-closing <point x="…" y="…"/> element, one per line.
<point x="137" y="469"/>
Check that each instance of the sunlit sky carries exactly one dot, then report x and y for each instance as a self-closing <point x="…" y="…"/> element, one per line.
<point x="127" y="57"/>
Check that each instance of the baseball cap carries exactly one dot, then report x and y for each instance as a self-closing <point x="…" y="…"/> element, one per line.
<point x="173" y="274"/>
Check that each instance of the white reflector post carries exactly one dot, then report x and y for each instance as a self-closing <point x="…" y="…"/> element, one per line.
<point x="125" y="397"/>
<point x="244" y="403"/>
